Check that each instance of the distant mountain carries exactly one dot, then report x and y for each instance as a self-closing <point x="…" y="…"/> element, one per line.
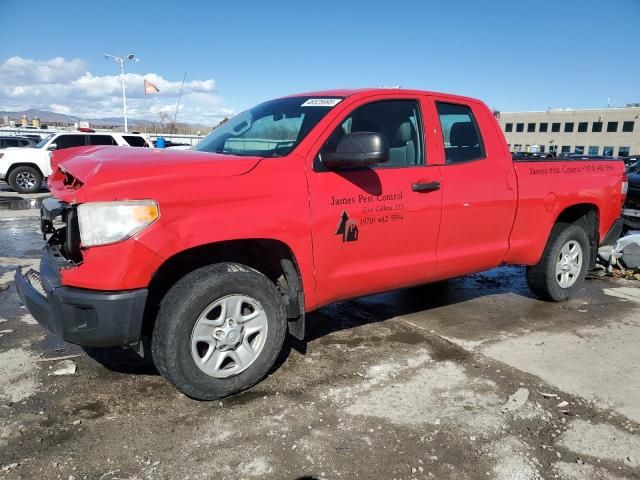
<point x="44" y="116"/>
<point x="47" y="116"/>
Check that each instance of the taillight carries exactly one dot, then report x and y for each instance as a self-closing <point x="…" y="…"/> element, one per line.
<point x="624" y="188"/>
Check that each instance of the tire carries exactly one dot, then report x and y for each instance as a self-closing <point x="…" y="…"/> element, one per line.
<point x="193" y="310"/>
<point x="543" y="279"/>
<point x="25" y="179"/>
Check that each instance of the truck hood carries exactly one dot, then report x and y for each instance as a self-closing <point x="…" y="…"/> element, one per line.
<point x="101" y="173"/>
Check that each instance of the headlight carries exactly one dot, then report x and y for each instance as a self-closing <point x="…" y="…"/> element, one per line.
<point x="110" y="222"/>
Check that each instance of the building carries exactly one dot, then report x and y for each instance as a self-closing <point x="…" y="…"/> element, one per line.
<point x="609" y="132"/>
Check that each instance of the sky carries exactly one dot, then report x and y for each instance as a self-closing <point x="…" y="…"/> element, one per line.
<point x="513" y="55"/>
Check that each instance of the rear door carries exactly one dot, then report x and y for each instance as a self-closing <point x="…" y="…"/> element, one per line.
<point x="478" y="188"/>
<point x="135" y="141"/>
<point x="69" y="141"/>
<point x="375" y="228"/>
<point x="11" y="142"/>
<point x="102" y="140"/>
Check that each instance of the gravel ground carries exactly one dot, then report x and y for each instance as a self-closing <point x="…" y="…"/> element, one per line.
<point x="469" y="379"/>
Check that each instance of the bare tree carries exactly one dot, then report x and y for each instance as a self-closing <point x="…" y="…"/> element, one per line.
<point x="166" y="124"/>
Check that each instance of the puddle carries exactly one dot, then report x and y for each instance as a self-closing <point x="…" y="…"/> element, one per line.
<point x="244" y="398"/>
<point x="410" y="338"/>
<point x="19" y="203"/>
<point x="89" y="410"/>
<point x="20" y="237"/>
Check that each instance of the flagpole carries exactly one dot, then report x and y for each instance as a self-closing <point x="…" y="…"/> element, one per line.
<point x="154" y="89"/>
<point x="145" y="110"/>
<point x="175" y="115"/>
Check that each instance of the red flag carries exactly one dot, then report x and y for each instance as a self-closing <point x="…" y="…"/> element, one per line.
<point x="150" y="87"/>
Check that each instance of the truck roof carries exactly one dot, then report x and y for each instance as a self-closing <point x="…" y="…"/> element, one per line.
<point x="348" y="92"/>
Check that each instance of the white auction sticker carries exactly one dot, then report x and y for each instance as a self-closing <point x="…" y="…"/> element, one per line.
<point x="321" y="102"/>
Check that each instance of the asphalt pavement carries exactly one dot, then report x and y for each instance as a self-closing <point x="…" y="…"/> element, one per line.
<point x="470" y="379"/>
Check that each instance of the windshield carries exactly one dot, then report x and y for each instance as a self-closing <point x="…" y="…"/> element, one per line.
<point x="42" y="142"/>
<point x="271" y="129"/>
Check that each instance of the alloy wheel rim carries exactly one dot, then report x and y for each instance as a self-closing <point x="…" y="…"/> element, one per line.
<point x="229" y="335"/>
<point x="25" y="180"/>
<point x="569" y="264"/>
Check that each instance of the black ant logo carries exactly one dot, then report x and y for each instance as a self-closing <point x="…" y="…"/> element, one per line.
<point x="347" y="228"/>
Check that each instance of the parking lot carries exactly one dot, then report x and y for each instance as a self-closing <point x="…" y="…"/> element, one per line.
<point x="410" y="384"/>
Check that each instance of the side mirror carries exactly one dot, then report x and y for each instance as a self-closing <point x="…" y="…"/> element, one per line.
<point x="359" y="149"/>
<point x="52" y="146"/>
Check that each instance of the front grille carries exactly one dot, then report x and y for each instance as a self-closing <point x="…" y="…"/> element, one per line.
<point x="33" y="277"/>
<point x="62" y="231"/>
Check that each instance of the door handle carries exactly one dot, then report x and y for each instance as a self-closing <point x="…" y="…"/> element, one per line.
<point x="425" y="187"/>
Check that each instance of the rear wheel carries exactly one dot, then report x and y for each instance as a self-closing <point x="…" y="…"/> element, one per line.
<point x="25" y="179"/>
<point x="564" y="263"/>
<point x="219" y="331"/>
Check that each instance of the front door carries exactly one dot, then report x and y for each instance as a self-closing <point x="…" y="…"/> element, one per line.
<point x="376" y="228"/>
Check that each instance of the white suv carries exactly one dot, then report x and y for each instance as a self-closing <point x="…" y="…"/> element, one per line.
<point x="25" y="168"/>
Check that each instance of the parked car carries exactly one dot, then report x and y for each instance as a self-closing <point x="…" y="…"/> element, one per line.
<point x="16" y="141"/>
<point x="25" y="169"/>
<point x="632" y="164"/>
<point x="516" y="155"/>
<point x="32" y="136"/>
<point x="177" y="145"/>
<point x="219" y="252"/>
<point x="631" y="208"/>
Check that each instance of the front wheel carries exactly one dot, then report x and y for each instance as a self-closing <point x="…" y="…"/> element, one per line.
<point x="219" y="331"/>
<point x="25" y="179"/>
<point x="563" y="266"/>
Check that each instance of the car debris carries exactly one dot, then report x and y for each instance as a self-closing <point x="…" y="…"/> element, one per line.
<point x="625" y="253"/>
<point x="11" y="466"/>
<point x="563" y="404"/>
<point x="65" y="367"/>
<point x="57" y="359"/>
<point x="515" y="401"/>
<point x="548" y="395"/>
<point x="628" y="251"/>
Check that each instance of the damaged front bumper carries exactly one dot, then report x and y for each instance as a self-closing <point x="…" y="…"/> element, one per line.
<point x="80" y="316"/>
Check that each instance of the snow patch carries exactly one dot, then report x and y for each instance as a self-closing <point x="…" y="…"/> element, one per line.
<point x="602" y="441"/>
<point x="17" y="374"/>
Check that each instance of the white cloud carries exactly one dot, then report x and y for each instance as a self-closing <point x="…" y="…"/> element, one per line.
<point x="60" y="109"/>
<point x="66" y="86"/>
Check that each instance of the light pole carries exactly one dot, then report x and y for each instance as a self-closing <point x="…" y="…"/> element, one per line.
<point x="121" y="61"/>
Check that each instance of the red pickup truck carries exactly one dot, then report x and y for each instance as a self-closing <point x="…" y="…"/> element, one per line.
<point x="214" y="255"/>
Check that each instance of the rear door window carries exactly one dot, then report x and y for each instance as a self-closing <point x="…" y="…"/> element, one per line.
<point x="461" y="136"/>
<point x="102" y="140"/>
<point x="68" y="141"/>
<point x="135" y="141"/>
